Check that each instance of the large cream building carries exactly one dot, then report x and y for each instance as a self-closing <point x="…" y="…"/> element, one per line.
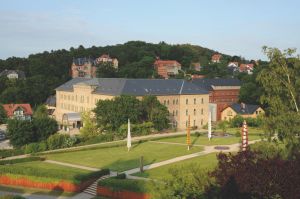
<point x="182" y="98"/>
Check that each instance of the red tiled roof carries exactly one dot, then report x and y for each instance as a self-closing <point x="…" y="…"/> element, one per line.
<point x="105" y="56"/>
<point x="10" y="108"/>
<point x="166" y="62"/>
<point x="244" y="67"/>
<point x="216" y="57"/>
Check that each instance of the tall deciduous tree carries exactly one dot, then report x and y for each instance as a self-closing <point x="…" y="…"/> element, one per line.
<point x="89" y="128"/>
<point x="280" y="81"/>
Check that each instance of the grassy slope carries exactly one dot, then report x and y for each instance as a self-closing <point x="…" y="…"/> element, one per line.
<point x="206" y="162"/>
<point x="119" y="159"/>
<point x="35" y="170"/>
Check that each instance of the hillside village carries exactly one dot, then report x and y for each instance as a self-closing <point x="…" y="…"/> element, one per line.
<point x="94" y="105"/>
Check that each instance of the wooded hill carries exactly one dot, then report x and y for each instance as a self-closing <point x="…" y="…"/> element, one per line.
<point x="45" y="71"/>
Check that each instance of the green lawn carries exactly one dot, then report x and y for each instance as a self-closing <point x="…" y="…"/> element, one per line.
<point x="42" y="171"/>
<point x="254" y="134"/>
<point x="119" y="159"/>
<point x="206" y="162"/>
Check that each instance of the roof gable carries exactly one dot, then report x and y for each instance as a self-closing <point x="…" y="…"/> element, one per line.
<point x="11" y="108"/>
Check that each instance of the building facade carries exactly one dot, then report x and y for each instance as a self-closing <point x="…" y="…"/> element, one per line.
<point x="87" y="67"/>
<point x="167" y="68"/>
<point x="216" y="58"/>
<point x="222" y="92"/>
<point x="13" y="74"/>
<point x="244" y="110"/>
<point x="18" y="111"/>
<point x="181" y="97"/>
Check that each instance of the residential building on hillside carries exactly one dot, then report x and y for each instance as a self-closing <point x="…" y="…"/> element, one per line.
<point x="18" y="111"/>
<point x="167" y="68"/>
<point x="244" y="110"/>
<point x="247" y="68"/>
<point x="105" y="58"/>
<point x="233" y="64"/>
<point x="196" y="66"/>
<point x="87" y="67"/>
<point x="181" y="97"/>
<point x="222" y="92"/>
<point x="216" y="58"/>
<point x="13" y="74"/>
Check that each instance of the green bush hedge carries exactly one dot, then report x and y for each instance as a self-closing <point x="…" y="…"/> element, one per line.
<point x="21" y="160"/>
<point x="115" y="184"/>
<point x="11" y="197"/>
<point x="10" y="152"/>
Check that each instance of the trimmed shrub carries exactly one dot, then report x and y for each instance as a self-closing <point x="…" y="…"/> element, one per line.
<point x="11" y="197"/>
<point x="10" y="152"/>
<point x="121" y="176"/>
<point x="115" y="184"/>
<point x="58" y="141"/>
<point x="21" y="160"/>
<point x="197" y="134"/>
<point x="145" y="128"/>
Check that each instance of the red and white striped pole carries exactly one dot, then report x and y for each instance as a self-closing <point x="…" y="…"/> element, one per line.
<point x="244" y="136"/>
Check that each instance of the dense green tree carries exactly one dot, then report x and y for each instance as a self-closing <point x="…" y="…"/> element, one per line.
<point x="3" y="116"/>
<point x="44" y="127"/>
<point x="280" y="80"/>
<point x="111" y="114"/>
<point x="106" y="69"/>
<point x="156" y="113"/>
<point x="89" y="128"/>
<point x="20" y="132"/>
<point x="185" y="182"/>
<point x="40" y="112"/>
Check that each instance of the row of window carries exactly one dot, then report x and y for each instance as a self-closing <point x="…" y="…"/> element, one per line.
<point x="194" y="123"/>
<point x="71" y="107"/>
<point x="167" y="102"/>
<point x="76" y="98"/>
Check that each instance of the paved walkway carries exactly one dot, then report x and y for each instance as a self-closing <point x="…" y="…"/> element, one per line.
<point x="72" y="165"/>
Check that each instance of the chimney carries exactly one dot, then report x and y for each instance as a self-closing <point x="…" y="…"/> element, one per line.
<point x="243" y="106"/>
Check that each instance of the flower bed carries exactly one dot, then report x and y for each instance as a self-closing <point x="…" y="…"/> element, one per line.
<point x="23" y="181"/>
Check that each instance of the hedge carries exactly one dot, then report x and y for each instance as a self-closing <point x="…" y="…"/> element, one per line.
<point x="115" y="184"/>
<point x="11" y="197"/>
<point x="21" y="160"/>
<point x="4" y="153"/>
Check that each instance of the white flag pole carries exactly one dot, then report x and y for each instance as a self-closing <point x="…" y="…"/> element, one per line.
<point x="128" y="136"/>
<point x="209" y="125"/>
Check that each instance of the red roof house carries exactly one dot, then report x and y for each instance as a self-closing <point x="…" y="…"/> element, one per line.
<point x="18" y="111"/>
<point x="216" y="58"/>
<point x="248" y="68"/>
<point x="165" y="68"/>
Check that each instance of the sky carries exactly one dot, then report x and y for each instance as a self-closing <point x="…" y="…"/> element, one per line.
<point x="233" y="27"/>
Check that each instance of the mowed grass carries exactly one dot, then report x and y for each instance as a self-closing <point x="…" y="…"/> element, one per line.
<point x="117" y="158"/>
<point x="254" y="134"/>
<point x="207" y="162"/>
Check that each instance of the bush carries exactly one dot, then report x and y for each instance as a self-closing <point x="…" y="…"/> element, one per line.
<point x="25" y="132"/>
<point x="145" y="128"/>
<point x="107" y="137"/>
<point x="58" y="141"/>
<point x="10" y="152"/>
<point x="238" y="120"/>
<point x="115" y="184"/>
<point x="20" y="160"/>
<point x="121" y="176"/>
<point x="237" y="134"/>
<point x="11" y="197"/>
<point x="44" y="127"/>
<point x="197" y="134"/>
<point x="36" y="147"/>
